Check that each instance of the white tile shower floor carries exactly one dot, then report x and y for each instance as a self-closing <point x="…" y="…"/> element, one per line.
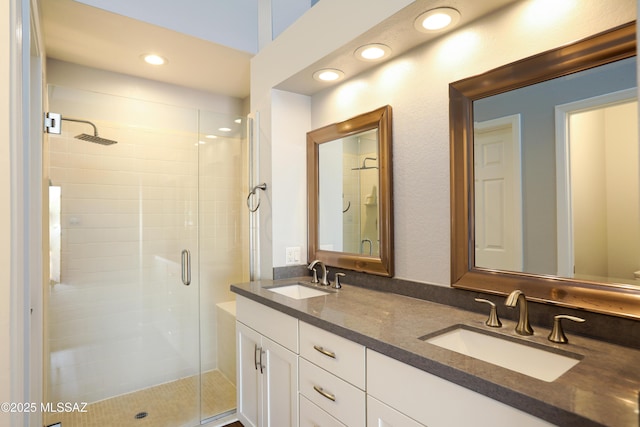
<point x="170" y="404"/>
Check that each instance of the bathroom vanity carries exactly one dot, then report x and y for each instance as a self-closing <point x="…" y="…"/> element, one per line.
<point x="354" y="357"/>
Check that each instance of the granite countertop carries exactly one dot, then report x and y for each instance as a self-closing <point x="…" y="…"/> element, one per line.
<point x="603" y="389"/>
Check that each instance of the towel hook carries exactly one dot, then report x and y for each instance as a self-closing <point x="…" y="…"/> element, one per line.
<point x="253" y="191"/>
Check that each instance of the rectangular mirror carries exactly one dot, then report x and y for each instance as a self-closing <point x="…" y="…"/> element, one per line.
<point x="349" y="193"/>
<point x="531" y="208"/>
<point x="557" y="164"/>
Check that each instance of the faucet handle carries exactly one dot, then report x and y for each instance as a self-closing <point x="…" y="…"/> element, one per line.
<point x="338" y="285"/>
<point x="493" y="320"/>
<point x="557" y="334"/>
<point x="315" y="276"/>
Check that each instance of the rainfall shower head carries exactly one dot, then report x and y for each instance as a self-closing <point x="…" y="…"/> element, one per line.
<point x="52" y="124"/>
<point x="91" y="138"/>
<point x="96" y="139"/>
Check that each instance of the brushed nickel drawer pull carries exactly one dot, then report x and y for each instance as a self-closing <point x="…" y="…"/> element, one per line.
<point x="329" y="396"/>
<point x="331" y="354"/>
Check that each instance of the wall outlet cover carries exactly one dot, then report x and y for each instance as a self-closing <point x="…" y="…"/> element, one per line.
<point x="293" y="255"/>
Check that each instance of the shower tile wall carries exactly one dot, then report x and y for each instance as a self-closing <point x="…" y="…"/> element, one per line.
<point x="120" y="319"/>
<point x="360" y="220"/>
<point x="223" y="236"/>
<point x="351" y="200"/>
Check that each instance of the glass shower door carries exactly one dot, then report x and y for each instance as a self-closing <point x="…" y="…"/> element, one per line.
<point x="123" y="324"/>
<point x="223" y="254"/>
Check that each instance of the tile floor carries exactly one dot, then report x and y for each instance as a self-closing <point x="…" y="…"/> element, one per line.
<point x="166" y="405"/>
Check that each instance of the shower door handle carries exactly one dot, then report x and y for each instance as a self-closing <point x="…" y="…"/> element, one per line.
<point x="186" y="267"/>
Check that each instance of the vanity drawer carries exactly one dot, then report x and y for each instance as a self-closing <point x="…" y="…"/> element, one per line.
<point x="271" y="323"/>
<point x="335" y="396"/>
<point x="337" y="355"/>
<point x="312" y="416"/>
<point x="436" y="402"/>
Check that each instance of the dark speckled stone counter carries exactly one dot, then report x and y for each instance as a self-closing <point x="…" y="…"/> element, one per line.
<point x="603" y="389"/>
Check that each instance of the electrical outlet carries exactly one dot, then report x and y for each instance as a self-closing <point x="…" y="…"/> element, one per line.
<point x="293" y="255"/>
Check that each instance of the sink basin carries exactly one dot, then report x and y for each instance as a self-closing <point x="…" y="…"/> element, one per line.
<point x="531" y="359"/>
<point x="298" y="291"/>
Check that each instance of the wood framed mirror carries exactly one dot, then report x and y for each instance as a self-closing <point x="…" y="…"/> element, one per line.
<point x="349" y="179"/>
<point x="469" y="270"/>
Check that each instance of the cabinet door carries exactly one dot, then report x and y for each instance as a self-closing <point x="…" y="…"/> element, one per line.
<point x="280" y="385"/>
<point x="248" y="375"/>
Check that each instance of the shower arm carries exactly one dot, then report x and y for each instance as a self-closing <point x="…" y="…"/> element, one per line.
<point x="364" y="164"/>
<point x="95" y="129"/>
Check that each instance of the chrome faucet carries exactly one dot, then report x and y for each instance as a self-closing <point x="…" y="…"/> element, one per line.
<point x="323" y="280"/>
<point x="517" y="298"/>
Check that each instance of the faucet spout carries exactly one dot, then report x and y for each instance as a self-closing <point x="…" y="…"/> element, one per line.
<point x="517" y="297"/>
<point x="323" y="281"/>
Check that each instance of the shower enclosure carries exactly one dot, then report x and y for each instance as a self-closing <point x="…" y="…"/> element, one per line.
<point x="146" y="236"/>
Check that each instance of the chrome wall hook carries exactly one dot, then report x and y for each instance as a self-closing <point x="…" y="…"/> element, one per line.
<point x="254" y="191"/>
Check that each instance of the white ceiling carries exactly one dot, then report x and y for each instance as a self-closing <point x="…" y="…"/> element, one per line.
<point x="90" y="36"/>
<point x="229" y="23"/>
<point x="85" y="35"/>
<point x="397" y="32"/>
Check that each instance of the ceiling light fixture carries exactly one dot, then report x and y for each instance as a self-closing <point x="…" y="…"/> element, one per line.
<point x="437" y="19"/>
<point x="153" y="59"/>
<point x="328" y="75"/>
<point x="210" y="136"/>
<point x="372" y="52"/>
<point x="224" y="129"/>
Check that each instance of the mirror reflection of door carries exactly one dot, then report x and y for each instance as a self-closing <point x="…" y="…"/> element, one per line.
<point x="603" y="189"/>
<point x="498" y="195"/>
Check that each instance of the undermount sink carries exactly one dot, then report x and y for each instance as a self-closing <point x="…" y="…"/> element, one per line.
<point x="298" y="291"/>
<point x="531" y="359"/>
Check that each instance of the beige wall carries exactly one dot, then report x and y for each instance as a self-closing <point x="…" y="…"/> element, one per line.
<point x="624" y="214"/>
<point x="588" y="178"/>
<point x="604" y="170"/>
<point x="283" y="126"/>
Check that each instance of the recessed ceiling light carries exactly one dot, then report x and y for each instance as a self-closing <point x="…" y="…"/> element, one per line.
<point x="238" y="121"/>
<point x="437" y="19"/>
<point x="328" y="75"/>
<point x="210" y="136"/>
<point x="153" y="59"/>
<point x="224" y="129"/>
<point x="372" y="52"/>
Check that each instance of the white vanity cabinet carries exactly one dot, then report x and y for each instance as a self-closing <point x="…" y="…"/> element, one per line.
<point x="332" y="379"/>
<point x="432" y="401"/>
<point x="267" y="366"/>
<point x="291" y="373"/>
